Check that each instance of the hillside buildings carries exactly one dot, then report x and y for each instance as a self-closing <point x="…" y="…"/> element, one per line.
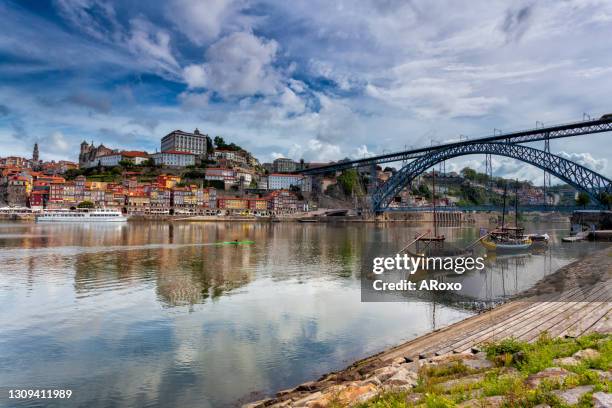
<point x="89" y="155"/>
<point x="283" y="165"/>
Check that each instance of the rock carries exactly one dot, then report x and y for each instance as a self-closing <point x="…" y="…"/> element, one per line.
<point x="458" y="382"/>
<point x="572" y="396"/>
<point x="586" y="354"/>
<point x="303" y="402"/>
<point x="398" y="360"/>
<point x="403" y="377"/>
<point x="257" y="404"/>
<point x="489" y="402"/>
<point x="603" y="375"/>
<point x="478" y="363"/>
<point x="602" y="400"/>
<point x="552" y="374"/>
<point x="414" y="398"/>
<point x="373" y="380"/>
<point x="384" y="373"/>
<point x="345" y="395"/>
<point x="307" y="386"/>
<point x="566" y="361"/>
<point x="542" y="406"/>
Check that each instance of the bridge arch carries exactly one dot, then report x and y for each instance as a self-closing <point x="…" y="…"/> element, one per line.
<point x="572" y="173"/>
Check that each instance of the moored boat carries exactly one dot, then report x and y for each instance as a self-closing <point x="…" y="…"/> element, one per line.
<point x="82" y="215"/>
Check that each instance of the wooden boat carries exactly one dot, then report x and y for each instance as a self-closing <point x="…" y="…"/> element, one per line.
<point x="507" y="238"/>
<point x="507" y="245"/>
<point x="311" y="219"/>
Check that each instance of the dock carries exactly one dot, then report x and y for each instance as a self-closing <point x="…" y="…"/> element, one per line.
<point x="574" y="301"/>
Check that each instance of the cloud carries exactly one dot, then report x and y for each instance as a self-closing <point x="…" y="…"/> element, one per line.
<point x="152" y="44"/>
<point x="435" y="97"/>
<point x="98" y="103"/>
<point x="516" y="22"/>
<point x="59" y="143"/>
<point x="96" y="18"/>
<point x="239" y="64"/>
<point x="586" y="159"/>
<point x="203" y="21"/>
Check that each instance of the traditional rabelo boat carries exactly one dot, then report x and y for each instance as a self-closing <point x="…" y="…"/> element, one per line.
<point x="507" y="238"/>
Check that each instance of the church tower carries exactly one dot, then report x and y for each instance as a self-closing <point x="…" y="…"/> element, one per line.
<point x="35" y="153"/>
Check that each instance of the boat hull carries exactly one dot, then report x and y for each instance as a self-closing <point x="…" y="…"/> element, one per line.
<point x="84" y="219"/>
<point x="496" y="246"/>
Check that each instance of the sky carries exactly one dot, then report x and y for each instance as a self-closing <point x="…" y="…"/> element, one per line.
<point x="316" y="79"/>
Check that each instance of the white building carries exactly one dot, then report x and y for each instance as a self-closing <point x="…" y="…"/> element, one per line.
<point x="179" y="141"/>
<point x="279" y="181"/>
<point x="174" y="159"/>
<point x="229" y="155"/>
<point x="113" y="159"/>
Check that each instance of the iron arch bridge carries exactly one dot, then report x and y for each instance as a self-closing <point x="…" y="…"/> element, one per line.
<point x="573" y="174"/>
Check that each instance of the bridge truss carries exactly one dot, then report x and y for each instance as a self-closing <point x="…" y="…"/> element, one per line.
<point x="572" y="173"/>
<point x="601" y="125"/>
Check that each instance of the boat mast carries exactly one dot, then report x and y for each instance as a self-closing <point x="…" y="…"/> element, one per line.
<point x="504" y="208"/>
<point x="516" y="198"/>
<point x="433" y="182"/>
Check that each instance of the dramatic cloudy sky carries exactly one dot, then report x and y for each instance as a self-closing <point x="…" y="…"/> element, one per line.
<point x="315" y="79"/>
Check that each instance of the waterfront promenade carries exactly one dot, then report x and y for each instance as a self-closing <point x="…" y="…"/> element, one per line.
<point x="574" y="301"/>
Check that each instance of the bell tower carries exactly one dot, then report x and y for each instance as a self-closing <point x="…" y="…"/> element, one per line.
<point x="35" y="156"/>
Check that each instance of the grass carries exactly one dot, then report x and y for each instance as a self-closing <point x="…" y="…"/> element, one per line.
<point x="515" y="361"/>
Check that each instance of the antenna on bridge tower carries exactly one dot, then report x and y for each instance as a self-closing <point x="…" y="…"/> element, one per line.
<point x="547" y="150"/>
<point x="489" y="170"/>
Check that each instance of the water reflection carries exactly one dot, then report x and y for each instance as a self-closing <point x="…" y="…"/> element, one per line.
<point x="156" y="314"/>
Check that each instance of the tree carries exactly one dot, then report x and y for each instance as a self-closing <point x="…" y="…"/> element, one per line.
<point x="209" y="145"/>
<point x="86" y="204"/>
<point x="148" y="163"/>
<point x="468" y="173"/>
<point x="606" y="199"/>
<point x="219" y="142"/>
<point x="349" y="181"/>
<point x="583" y="199"/>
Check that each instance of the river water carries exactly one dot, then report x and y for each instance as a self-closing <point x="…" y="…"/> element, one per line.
<point x="152" y="314"/>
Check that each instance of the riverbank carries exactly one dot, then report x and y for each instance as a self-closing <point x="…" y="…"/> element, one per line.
<point x="574" y="301"/>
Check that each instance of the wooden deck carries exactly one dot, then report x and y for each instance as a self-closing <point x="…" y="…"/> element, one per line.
<point x="573" y="313"/>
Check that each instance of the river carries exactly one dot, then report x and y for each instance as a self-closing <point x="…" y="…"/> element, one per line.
<point x="156" y="315"/>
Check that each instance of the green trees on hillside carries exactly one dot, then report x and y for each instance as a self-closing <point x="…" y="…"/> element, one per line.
<point x="583" y="199"/>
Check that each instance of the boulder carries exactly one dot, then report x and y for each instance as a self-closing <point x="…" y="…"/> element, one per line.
<point x="586" y="354"/>
<point x="602" y="400"/>
<point x="571" y="396"/>
<point x="566" y="361"/>
<point x="603" y="375"/>
<point x="384" y="373"/>
<point x="403" y="377"/>
<point x="345" y="395"/>
<point x="552" y="374"/>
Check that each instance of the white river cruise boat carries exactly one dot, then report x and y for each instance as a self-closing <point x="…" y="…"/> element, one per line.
<point x="93" y="215"/>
